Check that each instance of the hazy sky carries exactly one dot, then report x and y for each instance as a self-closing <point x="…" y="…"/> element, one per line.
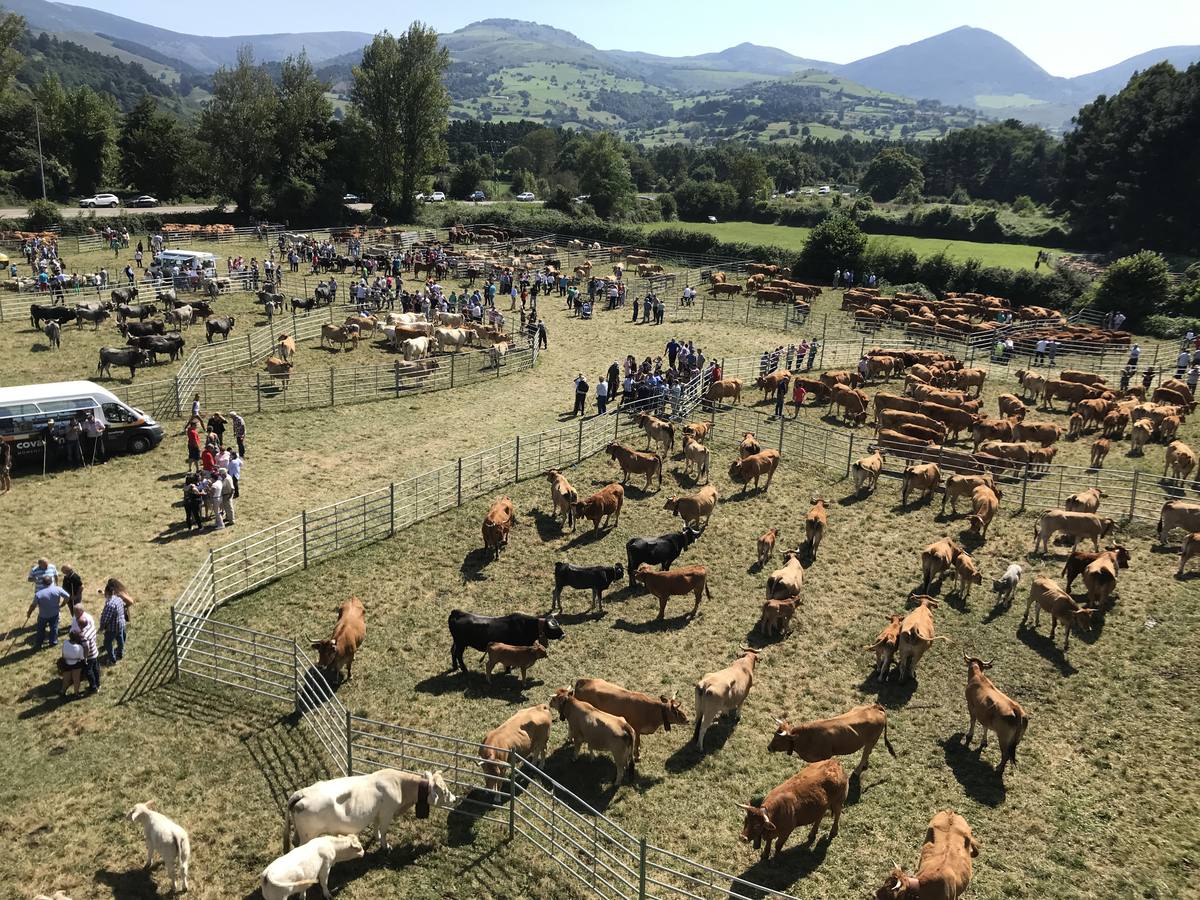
<point x="1066" y="37"/>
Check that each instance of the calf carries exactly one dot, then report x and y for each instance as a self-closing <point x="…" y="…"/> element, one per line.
<point x="994" y="711"/>
<point x="295" y="872"/>
<point x="53" y="332"/>
<point x="964" y="486"/>
<point x="916" y="636"/>
<point x="1180" y="459"/>
<point x="923" y="478"/>
<point x="500" y="518"/>
<point x="937" y="559"/>
<point x="562" y="497"/>
<point x="859" y="729"/>
<point x="724" y="691"/>
<point x="748" y="446"/>
<point x="1139" y="436"/>
<point x="1191" y="548"/>
<point x="984" y="504"/>
<point x="167" y="839"/>
<point x="659" y="551"/>
<point x="634" y="462"/>
<point x="1081" y="559"/>
<point x="1058" y="603"/>
<point x="604" y="504"/>
<point x="945" y="869"/>
<point x="1100" y="575"/>
<point x="584" y="578"/>
<point x="1006" y="585"/>
<point x="766" y="546"/>
<point x="885" y="646"/>
<point x="765" y="462"/>
<point x="348" y="634"/>
<point x="695" y="456"/>
<point x="474" y="631"/>
<point x="968" y="574"/>
<point x="1177" y="514"/>
<point x="664" y="585"/>
<point x="644" y="713"/>
<point x="351" y="804"/>
<point x="1099" y="451"/>
<point x="866" y="472"/>
<point x="657" y="431"/>
<point x="512" y="657"/>
<point x="803" y="799"/>
<point x="694" y="507"/>
<point x="776" y="616"/>
<point x="1011" y="407"/>
<point x="594" y="728"/>
<point x="1085" y="501"/>
<point x="1078" y="525"/>
<point x="523" y="734"/>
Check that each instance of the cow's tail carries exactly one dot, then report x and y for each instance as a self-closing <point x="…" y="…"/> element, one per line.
<point x="288" y="822"/>
<point x="886" y="743"/>
<point x="659" y="466"/>
<point x="699" y="715"/>
<point x="707" y="592"/>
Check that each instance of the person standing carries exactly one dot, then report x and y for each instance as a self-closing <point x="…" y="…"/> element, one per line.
<point x="227" y="488"/>
<point x="542" y="336"/>
<point x="216" y="425"/>
<point x="636" y="307"/>
<point x="601" y="396"/>
<point x="216" y="490"/>
<point x="799" y="393"/>
<point x="73" y="585"/>
<point x="1181" y="363"/>
<point x="1052" y="349"/>
<point x="85" y="626"/>
<point x="234" y="467"/>
<point x="781" y="392"/>
<point x="196" y="407"/>
<point x="73" y="437"/>
<point x="193" y="442"/>
<point x="812" y="355"/>
<point x="192" y="501"/>
<point x="239" y="432"/>
<point x="647" y="303"/>
<point x="43" y="568"/>
<point x="672" y="351"/>
<point x="614" y="379"/>
<point x="47" y="600"/>
<point x="114" y="619"/>
<point x="72" y="664"/>
<point x="581" y="392"/>
<point x="94" y="429"/>
<point x="1039" y="354"/>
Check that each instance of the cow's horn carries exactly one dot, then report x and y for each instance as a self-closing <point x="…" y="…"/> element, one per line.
<point x="745" y="806"/>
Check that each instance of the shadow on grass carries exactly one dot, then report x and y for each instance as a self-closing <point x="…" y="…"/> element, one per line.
<point x="157" y="669"/>
<point x="782" y="871"/>
<point x="998" y="609"/>
<point x="979" y="780"/>
<point x="287" y="757"/>
<point x="474" y="563"/>
<point x="673" y="623"/>
<point x="1045" y="648"/>
<point x="743" y="495"/>
<point x="49" y="696"/>
<point x="449" y="682"/>
<point x="548" y="528"/>
<point x="594" y="775"/>
<point x="137" y="882"/>
<point x="174" y="532"/>
<point x="27" y="650"/>
<point x="688" y="755"/>
<point x="855" y="498"/>
<point x="462" y="820"/>
<point x="584" y="538"/>
<point x="892" y="694"/>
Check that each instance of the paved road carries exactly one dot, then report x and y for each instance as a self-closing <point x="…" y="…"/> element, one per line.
<point x="71" y="212"/>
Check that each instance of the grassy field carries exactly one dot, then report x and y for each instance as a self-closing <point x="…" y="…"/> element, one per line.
<point x="1098" y="808"/>
<point x="1013" y="256"/>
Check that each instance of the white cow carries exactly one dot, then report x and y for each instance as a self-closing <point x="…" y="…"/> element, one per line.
<point x="295" y="872"/>
<point x="415" y="348"/>
<point x="451" y="320"/>
<point x="180" y="316"/>
<point x="497" y="352"/>
<point x="348" y="805"/>
<point x="452" y="338"/>
<point x="167" y="839"/>
<point x="394" y="318"/>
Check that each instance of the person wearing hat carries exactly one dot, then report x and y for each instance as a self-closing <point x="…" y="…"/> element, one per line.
<point x="239" y="432"/>
<point x="581" y="392"/>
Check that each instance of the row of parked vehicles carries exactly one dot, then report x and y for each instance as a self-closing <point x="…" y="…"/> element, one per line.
<point x="112" y="201"/>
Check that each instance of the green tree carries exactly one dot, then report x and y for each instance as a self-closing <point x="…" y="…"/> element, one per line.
<point x="90" y="139"/>
<point x="543" y="146"/>
<point x="1137" y="285"/>
<point x="835" y="243"/>
<point x="42" y="214"/>
<point x="522" y="180"/>
<point x="153" y="148"/>
<point x="748" y="175"/>
<point x="890" y="172"/>
<point x="604" y="174"/>
<point x="303" y="139"/>
<point x="12" y="27"/>
<point x="399" y="93"/>
<point x="235" y="127"/>
<point x="696" y="200"/>
<point x="467" y="178"/>
<point x="518" y="157"/>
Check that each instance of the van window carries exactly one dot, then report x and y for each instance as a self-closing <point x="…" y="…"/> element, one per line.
<point x="117" y="413"/>
<point x="79" y="404"/>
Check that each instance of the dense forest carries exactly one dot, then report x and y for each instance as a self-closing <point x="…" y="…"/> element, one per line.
<point x="75" y="66"/>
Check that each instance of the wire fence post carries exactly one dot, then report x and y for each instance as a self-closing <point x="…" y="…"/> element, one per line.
<point x="174" y="642"/>
<point x="396" y="370"/>
<point x="304" y="534"/>
<point x="1133" y="494"/>
<point x="579" y="445"/>
<point x="517" y="464"/>
<point x="349" y="745"/>
<point x="212" y="577"/>
<point x="392" y="509"/>
<point x="459" y="481"/>
<point x="642" y="869"/>
<point x="850" y="454"/>
<point x="452" y="356"/>
<point x="1024" y="485"/>
<point x="781" y="423"/>
<point x="331" y="385"/>
<point x="249" y="350"/>
<point x="258" y="389"/>
<point x="178" y="399"/>
<point x="296" y="676"/>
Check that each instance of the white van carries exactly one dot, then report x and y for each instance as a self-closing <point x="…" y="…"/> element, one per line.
<point x="31" y="414"/>
<point x="205" y="263"/>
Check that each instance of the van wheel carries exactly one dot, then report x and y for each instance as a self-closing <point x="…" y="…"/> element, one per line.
<point x="139" y="444"/>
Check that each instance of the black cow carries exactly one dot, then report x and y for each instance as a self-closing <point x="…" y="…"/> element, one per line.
<point x="201" y="308"/>
<point x="322" y="293"/>
<point x="301" y="303"/>
<point x="41" y="312"/>
<point x="135" y="311"/>
<point x="155" y="344"/>
<point x="141" y="329"/>
<point x="124" y="295"/>
<point x="659" y="551"/>
<point x="93" y="314"/>
<point x="470" y="630"/>
<point x="221" y="325"/>
<point x="584" y="578"/>
<point x="122" y="356"/>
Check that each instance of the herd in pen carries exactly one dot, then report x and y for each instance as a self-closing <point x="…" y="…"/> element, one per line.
<point x="940" y="402"/>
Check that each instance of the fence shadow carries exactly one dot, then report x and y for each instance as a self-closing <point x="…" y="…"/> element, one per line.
<point x="286" y="757"/>
<point x="588" y="771"/>
<point x="979" y="780"/>
<point x="688" y="755"/>
<point x="157" y="669"/>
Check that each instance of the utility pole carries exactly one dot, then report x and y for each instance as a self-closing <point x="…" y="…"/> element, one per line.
<point x="41" y="163"/>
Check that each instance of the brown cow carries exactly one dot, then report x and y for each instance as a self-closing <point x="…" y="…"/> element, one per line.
<point x="964" y="486"/>
<point x="994" y="711"/>
<point x="1100" y="575"/>
<point x="1081" y="559"/>
<point x="984" y="504"/>
<point x="500" y="518"/>
<point x="1011" y="407"/>
<point x="513" y="657"/>
<point x="1191" y="548"/>
<point x="726" y="387"/>
<point x="644" y="713"/>
<point x="1044" y="433"/>
<point x="724" y="691"/>
<point x="605" y="504"/>
<point x="588" y="726"/>
<point x="1076" y="524"/>
<point x="815" y="524"/>
<point x="945" y="869"/>
<point x="893" y="418"/>
<point x="786" y="582"/>
<point x="991" y="430"/>
<point x="885" y="646"/>
<point x="684" y="580"/>
<point x="853" y="403"/>
<point x="858" y="729"/>
<point x="562" y="497"/>
<point x="348" y="635"/>
<point x="916" y="636"/>
<point x="1180" y="459"/>
<point x="697" y="430"/>
<point x="1058" y="603"/>
<point x="766" y="546"/>
<point x="866" y="472"/>
<point x="776" y="616"/>
<point x="1099" y="451"/>
<point x="765" y="462"/>
<point x="955" y="420"/>
<point x="804" y="798"/>
<point x="694" y="507"/>
<point x="657" y="431"/>
<point x="923" y="478"/>
<point x="635" y="462"/>
<point x="749" y="445"/>
<point x="1085" y="501"/>
<point x="524" y="734"/>
<point x="771" y="381"/>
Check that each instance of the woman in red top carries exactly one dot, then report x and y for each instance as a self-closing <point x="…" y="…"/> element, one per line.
<point x="798" y="395"/>
<point x="208" y="459"/>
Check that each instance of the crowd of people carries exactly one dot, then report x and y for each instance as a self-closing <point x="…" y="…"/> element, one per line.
<point x="659" y="381"/>
<point x="213" y="480"/>
<point x="80" y="654"/>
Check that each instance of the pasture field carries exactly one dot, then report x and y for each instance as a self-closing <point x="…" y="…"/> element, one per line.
<point x="1012" y="256"/>
<point x="1099" y="807"/>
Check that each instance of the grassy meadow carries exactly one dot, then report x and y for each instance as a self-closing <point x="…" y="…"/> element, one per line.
<point x="1098" y="807"/>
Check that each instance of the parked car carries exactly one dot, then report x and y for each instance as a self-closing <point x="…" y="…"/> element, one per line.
<point x="525" y="196"/>
<point x="436" y="197"/>
<point x="477" y="195"/>
<point x="109" y="200"/>
<point x="143" y="200"/>
<point x="350" y="198"/>
<point x="824" y="189"/>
